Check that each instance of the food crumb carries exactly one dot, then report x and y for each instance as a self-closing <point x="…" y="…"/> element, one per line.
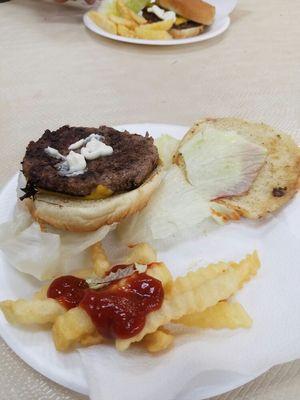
<point x="279" y="191"/>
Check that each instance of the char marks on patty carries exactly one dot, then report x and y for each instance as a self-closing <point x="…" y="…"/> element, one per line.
<point x="133" y="160"/>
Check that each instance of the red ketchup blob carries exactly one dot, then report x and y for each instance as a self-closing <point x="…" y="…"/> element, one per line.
<point x="68" y="290"/>
<point x="118" y="310"/>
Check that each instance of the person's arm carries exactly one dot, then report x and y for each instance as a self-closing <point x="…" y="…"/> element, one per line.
<point x="87" y="1"/>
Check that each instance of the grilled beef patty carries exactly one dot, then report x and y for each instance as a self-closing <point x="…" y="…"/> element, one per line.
<point x="134" y="158"/>
<point x="152" y="18"/>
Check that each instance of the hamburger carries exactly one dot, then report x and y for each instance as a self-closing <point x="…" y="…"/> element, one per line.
<point x="191" y="17"/>
<point x="79" y="179"/>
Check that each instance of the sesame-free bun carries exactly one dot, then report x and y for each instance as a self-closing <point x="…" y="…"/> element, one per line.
<point x="277" y="181"/>
<point x="78" y="215"/>
<point x="186" y="33"/>
<point x="194" y="10"/>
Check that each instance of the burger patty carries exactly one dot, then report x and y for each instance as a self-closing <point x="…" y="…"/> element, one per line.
<point x="133" y="159"/>
<point x="187" y="25"/>
<point x="152" y="18"/>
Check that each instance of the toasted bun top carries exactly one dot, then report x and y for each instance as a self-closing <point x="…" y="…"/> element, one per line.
<point x="277" y="181"/>
<point x="195" y="10"/>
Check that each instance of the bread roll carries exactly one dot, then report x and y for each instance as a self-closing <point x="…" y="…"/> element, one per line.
<point x="195" y="10"/>
<point x="78" y="215"/>
<point x="278" y="179"/>
<point x="186" y="33"/>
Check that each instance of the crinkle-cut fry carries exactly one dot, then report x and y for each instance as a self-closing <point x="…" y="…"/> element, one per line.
<point x="29" y="312"/>
<point x="157" y="341"/>
<point x="41" y="294"/>
<point x="194" y="278"/>
<point x="251" y="264"/>
<point x="90" y="340"/>
<point x="221" y="315"/>
<point x="188" y="296"/>
<point x="160" y="271"/>
<point x="99" y="259"/>
<point x="141" y="253"/>
<point x="71" y="328"/>
<point x="75" y="327"/>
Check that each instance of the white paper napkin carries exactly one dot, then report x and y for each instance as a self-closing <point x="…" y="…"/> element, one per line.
<point x="43" y="254"/>
<point x="201" y="360"/>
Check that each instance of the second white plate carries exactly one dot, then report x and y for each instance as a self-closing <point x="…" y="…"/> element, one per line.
<point x="219" y="26"/>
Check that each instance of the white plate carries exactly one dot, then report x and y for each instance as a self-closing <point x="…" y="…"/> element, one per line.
<point x="37" y="348"/>
<point x="219" y="26"/>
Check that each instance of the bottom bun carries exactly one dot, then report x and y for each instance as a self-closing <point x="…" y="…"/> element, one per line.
<point x="186" y="33"/>
<point x="77" y="215"/>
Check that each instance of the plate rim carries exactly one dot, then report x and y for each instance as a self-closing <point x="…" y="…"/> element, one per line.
<point x="56" y="377"/>
<point x="89" y="24"/>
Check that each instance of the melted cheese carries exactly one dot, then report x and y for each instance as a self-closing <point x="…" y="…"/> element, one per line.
<point x="99" y="193"/>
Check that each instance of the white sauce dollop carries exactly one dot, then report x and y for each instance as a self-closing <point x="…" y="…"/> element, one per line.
<point x="54" y="153"/>
<point x="76" y="145"/>
<point x="82" y="142"/>
<point x="94" y="149"/>
<point x="162" y="14"/>
<point x="75" y="163"/>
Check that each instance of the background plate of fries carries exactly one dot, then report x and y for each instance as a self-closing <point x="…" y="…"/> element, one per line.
<point x="213" y="359"/>
<point x="143" y="35"/>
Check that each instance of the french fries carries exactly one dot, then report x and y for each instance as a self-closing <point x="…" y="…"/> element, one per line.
<point x="123" y="21"/>
<point x="72" y="328"/>
<point x="137" y="18"/>
<point x="160" y="271"/>
<point x="189" y="295"/>
<point x="141" y="253"/>
<point x="197" y="299"/>
<point x="42" y="293"/>
<point x="123" y="10"/>
<point x="29" y="312"/>
<point x="99" y="259"/>
<point x="220" y="316"/>
<point x="76" y="327"/>
<point x="103" y="22"/>
<point x="158" y="26"/>
<point x="131" y="25"/>
<point x="125" y="32"/>
<point x="157" y="341"/>
<point x="150" y="34"/>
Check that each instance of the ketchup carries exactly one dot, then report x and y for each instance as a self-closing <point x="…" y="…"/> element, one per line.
<point x="118" y="310"/>
<point x="68" y="290"/>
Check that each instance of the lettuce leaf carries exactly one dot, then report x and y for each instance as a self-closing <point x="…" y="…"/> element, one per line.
<point x="174" y="208"/>
<point x="110" y="6"/>
<point x="221" y="163"/>
<point x="166" y="146"/>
